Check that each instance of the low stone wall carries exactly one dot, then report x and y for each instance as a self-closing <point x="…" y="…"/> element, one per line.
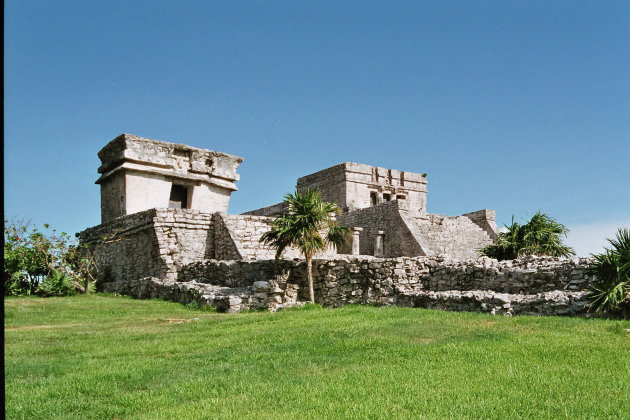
<point x="549" y="286"/>
<point x="557" y="302"/>
<point x="260" y="295"/>
<point x="526" y="276"/>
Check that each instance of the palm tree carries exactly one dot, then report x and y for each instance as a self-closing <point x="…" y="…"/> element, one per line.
<point x="610" y="291"/>
<point x="542" y="235"/>
<point x="306" y="217"/>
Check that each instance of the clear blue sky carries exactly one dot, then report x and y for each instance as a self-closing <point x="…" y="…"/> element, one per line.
<point x="509" y="105"/>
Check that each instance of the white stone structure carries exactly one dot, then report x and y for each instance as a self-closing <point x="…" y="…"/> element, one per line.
<point x="140" y="174"/>
<point x="355" y="186"/>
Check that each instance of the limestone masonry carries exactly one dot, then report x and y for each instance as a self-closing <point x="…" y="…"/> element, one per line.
<point x="166" y="233"/>
<point x="140" y="174"/>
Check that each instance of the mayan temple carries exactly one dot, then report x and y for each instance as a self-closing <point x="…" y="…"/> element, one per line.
<point x="166" y="232"/>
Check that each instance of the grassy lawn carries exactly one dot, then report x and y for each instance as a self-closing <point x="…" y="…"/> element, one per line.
<point x="113" y="357"/>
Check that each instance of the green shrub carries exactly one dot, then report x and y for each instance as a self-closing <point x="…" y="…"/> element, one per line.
<point x="30" y="256"/>
<point x="610" y="291"/>
<point x="34" y="261"/>
<point x="542" y="235"/>
<point x="56" y="284"/>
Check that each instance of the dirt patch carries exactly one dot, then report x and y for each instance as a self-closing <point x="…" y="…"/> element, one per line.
<point x="42" y="327"/>
<point x="27" y="303"/>
<point x="178" y="320"/>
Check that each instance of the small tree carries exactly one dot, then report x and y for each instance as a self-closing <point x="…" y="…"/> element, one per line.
<point x="30" y="256"/>
<point x="542" y="235"/>
<point x="47" y="263"/>
<point x="610" y="291"/>
<point x="307" y="216"/>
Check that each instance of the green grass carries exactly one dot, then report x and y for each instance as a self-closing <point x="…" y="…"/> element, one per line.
<point x="107" y="357"/>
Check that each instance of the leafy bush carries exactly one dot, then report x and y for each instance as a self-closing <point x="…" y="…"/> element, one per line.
<point x="47" y="263"/>
<point x="30" y="256"/>
<point x="610" y="291"/>
<point x="56" y="284"/>
<point x="542" y="235"/>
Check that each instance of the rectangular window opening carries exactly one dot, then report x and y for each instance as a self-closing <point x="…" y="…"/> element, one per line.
<point x="179" y="197"/>
<point x="373" y="199"/>
<point x="387" y="197"/>
<point x="400" y="197"/>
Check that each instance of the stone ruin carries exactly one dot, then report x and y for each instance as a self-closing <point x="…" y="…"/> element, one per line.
<point x="388" y="207"/>
<point x="140" y="174"/>
<point x="166" y="233"/>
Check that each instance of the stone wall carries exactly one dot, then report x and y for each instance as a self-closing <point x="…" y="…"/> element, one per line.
<point x="127" y="248"/>
<point x="408" y="233"/>
<point x="151" y="243"/>
<point x="455" y="236"/>
<point x="158" y="242"/>
<point x="549" y="286"/>
<point x="398" y="239"/>
<point x="272" y="210"/>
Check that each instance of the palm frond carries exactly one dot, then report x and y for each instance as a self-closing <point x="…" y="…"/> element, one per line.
<point x="542" y="235"/>
<point x="610" y="290"/>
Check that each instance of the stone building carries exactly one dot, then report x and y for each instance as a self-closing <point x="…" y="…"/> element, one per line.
<point x="140" y="174"/>
<point x="170" y="202"/>
<point x="388" y="207"/>
<point x="355" y="186"/>
<point x="166" y="233"/>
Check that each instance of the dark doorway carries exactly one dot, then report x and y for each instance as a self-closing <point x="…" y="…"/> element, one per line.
<point x="179" y="197"/>
<point x="373" y="198"/>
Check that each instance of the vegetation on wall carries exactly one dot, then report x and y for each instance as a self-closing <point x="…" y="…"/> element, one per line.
<point x="542" y="235"/>
<point x="302" y="225"/>
<point x="610" y="291"/>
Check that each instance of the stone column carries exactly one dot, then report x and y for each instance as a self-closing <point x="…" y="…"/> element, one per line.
<point x="378" y="245"/>
<point x="355" y="240"/>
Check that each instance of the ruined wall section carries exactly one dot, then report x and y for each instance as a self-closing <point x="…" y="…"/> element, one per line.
<point x="151" y="243"/>
<point x="539" y="286"/>
<point x="272" y="210"/>
<point x="227" y="246"/>
<point x="398" y="239"/>
<point x="127" y="248"/>
<point x="184" y="236"/>
<point x="456" y="236"/>
<point x="240" y="238"/>
<point x="530" y="275"/>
